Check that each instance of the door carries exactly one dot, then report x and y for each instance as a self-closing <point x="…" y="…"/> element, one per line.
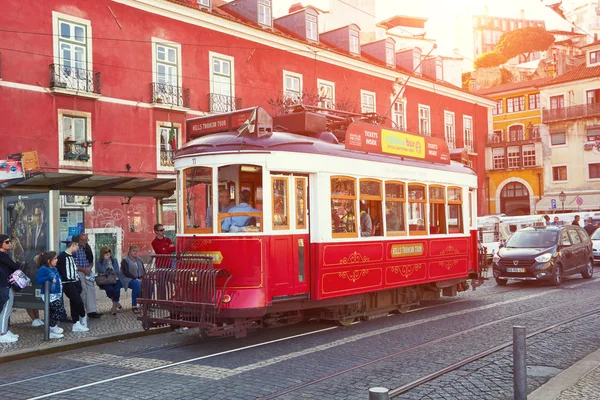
<point x="566" y="248"/>
<point x="578" y="250"/>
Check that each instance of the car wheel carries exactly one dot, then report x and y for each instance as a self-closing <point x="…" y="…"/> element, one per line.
<point x="589" y="270"/>
<point x="557" y="276"/>
<point x="501" y="282"/>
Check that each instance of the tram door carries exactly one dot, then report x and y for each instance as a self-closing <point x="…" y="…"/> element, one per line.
<point x="289" y="258"/>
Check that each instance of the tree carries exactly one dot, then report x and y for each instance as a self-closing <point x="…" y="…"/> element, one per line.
<point x="524" y="41"/>
<point x="490" y="59"/>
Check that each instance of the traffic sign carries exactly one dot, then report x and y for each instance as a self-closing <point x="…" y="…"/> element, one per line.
<point x="579" y="201"/>
<point x="553" y="204"/>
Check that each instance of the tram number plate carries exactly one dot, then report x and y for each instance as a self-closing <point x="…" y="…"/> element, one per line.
<point x="515" y="269"/>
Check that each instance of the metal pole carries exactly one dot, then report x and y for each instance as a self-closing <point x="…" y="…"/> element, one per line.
<point x="379" y="393"/>
<point x="47" y="310"/>
<point x="519" y="363"/>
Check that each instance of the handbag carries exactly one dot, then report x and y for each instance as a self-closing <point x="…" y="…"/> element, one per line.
<point x="106" y="279"/>
<point x="19" y="280"/>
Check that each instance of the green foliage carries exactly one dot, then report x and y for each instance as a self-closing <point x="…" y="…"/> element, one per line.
<point x="490" y="59"/>
<point x="524" y="41"/>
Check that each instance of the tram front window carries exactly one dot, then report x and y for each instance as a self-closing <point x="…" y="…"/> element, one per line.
<point x="197" y="184"/>
<point x="245" y="214"/>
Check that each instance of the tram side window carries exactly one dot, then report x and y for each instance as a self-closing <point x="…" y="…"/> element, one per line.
<point x="343" y="203"/>
<point x="197" y="192"/>
<point x="300" y="203"/>
<point x="371" y="200"/>
<point x="394" y="209"/>
<point x="246" y="215"/>
<point x="417" y="202"/>
<point x="437" y="210"/>
<point x="455" y="217"/>
<point x="279" y="186"/>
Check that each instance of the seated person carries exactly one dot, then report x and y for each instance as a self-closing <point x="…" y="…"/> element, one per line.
<point x="225" y="205"/>
<point x="234" y="224"/>
<point x="392" y="221"/>
<point x="366" y="224"/>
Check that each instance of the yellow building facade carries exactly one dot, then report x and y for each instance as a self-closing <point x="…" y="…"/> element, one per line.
<point x="514" y="151"/>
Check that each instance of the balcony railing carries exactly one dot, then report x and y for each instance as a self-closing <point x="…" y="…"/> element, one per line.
<point x="572" y="112"/>
<point x="220" y="103"/>
<point x="518" y="138"/>
<point x="167" y="156"/>
<point x="74" y="150"/>
<point x="170" y="95"/>
<point x="77" y="79"/>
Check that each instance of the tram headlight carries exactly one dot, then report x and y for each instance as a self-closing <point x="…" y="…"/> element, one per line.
<point x="226" y="298"/>
<point x="544" y="258"/>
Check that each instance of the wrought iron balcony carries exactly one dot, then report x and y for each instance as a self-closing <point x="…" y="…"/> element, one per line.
<point x="74" y="150"/>
<point x="77" y="79"/>
<point x="572" y="112"/>
<point x="532" y="135"/>
<point x="170" y="95"/>
<point x="167" y="155"/>
<point x="219" y="103"/>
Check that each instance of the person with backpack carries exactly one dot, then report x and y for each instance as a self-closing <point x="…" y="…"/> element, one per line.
<point x="7" y="295"/>
<point x="47" y="272"/>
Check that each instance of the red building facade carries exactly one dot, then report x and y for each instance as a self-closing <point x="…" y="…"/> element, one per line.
<point x="104" y="87"/>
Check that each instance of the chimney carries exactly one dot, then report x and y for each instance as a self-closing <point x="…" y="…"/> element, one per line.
<point x="595" y="37"/>
<point x="522" y="14"/>
<point x="295" y="7"/>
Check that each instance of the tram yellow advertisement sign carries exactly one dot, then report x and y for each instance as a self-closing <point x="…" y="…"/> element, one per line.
<point x="402" y="144"/>
<point x="407" y="250"/>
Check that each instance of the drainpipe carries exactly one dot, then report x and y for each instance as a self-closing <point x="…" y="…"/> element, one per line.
<point x="488" y="195"/>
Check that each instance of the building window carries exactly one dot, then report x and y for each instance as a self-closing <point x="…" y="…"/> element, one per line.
<point x="594" y="57"/>
<point x="398" y="115"/>
<point x="515" y="133"/>
<point x="354" y="42"/>
<point x="468" y="132"/>
<point x="424" y="122"/>
<point x="534" y="101"/>
<point x="264" y="12"/>
<point x="439" y="69"/>
<point x="73" y="54"/>
<point x="417" y="61"/>
<point x="498" y="157"/>
<point x="311" y="27"/>
<point x="557" y="102"/>
<point x="514" y="155"/>
<point x="167" y="139"/>
<point x="326" y="94"/>
<point x="167" y="60"/>
<point x="499" y="109"/>
<point x="166" y="88"/>
<point x="390" y="54"/>
<point x="529" y="155"/>
<point x="592" y="96"/>
<point x="559" y="173"/>
<point x="449" y="132"/>
<point x="594" y="171"/>
<point x="515" y="104"/>
<point x="593" y="133"/>
<point x="74" y="137"/>
<point x="222" y="91"/>
<point x="292" y="87"/>
<point x="205" y="3"/>
<point x="367" y="101"/>
<point x="558" y="138"/>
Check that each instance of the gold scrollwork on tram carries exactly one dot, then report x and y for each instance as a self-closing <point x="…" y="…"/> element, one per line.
<point x="353" y="276"/>
<point x="406" y="270"/>
<point x="354" y="258"/>
<point x="449" y="250"/>
<point x="448" y="264"/>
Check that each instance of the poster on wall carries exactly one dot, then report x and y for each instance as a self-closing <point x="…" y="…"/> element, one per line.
<point x="71" y="224"/>
<point x="25" y="221"/>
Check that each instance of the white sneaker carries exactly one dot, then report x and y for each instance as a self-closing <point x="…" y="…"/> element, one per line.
<point x="6" y="338"/>
<point x="37" y="322"/>
<point x="56" y="329"/>
<point x="84" y="321"/>
<point x="54" y="335"/>
<point x="79" y="327"/>
<point x="12" y="334"/>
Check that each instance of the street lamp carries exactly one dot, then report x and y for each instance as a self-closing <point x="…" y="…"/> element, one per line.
<point x="562" y="197"/>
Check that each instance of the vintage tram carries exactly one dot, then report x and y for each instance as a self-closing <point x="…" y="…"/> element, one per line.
<point x="311" y="214"/>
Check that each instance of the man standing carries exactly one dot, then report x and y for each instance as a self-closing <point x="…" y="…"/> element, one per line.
<point x="225" y="205"/>
<point x="162" y="245"/>
<point x="84" y="259"/>
<point x="576" y="220"/>
<point x="547" y="220"/>
<point x="67" y="268"/>
<point x="589" y="226"/>
<point x="556" y="221"/>
<point x="38" y="234"/>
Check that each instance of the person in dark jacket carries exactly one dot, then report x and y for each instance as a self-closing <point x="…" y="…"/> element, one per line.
<point x="132" y="268"/>
<point x="71" y="285"/>
<point x="7" y="295"/>
<point x="47" y="272"/>
<point x="589" y="227"/>
<point x="107" y="264"/>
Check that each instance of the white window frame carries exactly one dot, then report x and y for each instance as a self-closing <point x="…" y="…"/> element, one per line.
<point x="295" y="75"/>
<point x="499" y="104"/>
<point x="390" y="54"/>
<point x="423" y="107"/>
<point x="327" y="101"/>
<point x="312" y="27"/>
<point x="399" y="117"/>
<point x="204" y="3"/>
<point x="211" y="57"/>
<point x="450" y="130"/>
<point x="417" y="58"/>
<point x="513" y="157"/>
<point x="266" y="6"/>
<point x="61" y="146"/>
<point x="496" y="156"/>
<point x="556" y="97"/>
<point x="529" y="156"/>
<point x="177" y="46"/>
<point x="559" y="166"/>
<point x="565" y="144"/>
<point x="354" y="42"/>
<point x="178" y="139"/>
<point x="468" y="133"/>
<point x="365" y="107"/>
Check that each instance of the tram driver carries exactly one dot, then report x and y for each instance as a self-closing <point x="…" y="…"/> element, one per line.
<point x="236" y="223"/>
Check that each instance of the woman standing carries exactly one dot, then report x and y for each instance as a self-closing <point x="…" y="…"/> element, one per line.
<point x="132" y="269"/>
<point x="7" y="296"/>
<point x="107" y="264"/>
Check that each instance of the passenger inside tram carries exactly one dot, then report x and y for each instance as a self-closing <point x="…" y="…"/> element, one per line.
<point x="238" y="222"/>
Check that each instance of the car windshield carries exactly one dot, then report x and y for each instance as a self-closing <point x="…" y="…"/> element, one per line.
<point x="533" y="239"/>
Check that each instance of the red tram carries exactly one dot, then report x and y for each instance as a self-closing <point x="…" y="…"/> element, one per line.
<point x="311" y="214"/>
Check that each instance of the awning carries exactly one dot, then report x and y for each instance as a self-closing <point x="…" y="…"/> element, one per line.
<point x="550" y="202"/>
<point x="91" y="185"/>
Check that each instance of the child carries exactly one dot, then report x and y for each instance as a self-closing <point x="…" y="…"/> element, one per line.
<point x="47" y="272"/>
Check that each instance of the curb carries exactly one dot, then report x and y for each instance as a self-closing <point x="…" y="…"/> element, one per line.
<point x="81" y="343"/>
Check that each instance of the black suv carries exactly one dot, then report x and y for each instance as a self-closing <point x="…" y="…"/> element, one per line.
<point x="544" y="253"/>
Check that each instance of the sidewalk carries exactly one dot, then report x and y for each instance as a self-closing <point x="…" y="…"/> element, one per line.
<point x="579" y="382"/>
<point x="108" y="328"/>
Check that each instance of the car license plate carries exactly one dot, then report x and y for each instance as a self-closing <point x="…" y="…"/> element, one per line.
<point x="515" y="269"/>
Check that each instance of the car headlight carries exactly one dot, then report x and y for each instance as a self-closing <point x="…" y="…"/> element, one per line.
<point x="496" y="258"/>
<point x="543" y="258"/>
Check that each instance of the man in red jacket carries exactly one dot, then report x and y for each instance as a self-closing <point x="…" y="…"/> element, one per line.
<point x="162" y="245"/>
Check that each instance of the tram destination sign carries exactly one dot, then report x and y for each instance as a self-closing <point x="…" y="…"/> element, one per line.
<point x="218" y="123"/>
<point x="375" y="139"/>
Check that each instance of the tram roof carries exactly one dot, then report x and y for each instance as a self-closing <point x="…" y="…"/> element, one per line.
<point x="291" y="142"/>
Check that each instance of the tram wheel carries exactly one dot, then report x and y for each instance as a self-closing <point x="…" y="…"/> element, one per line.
<point x="346" y="321"/>
<point x="403" y="309"/>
